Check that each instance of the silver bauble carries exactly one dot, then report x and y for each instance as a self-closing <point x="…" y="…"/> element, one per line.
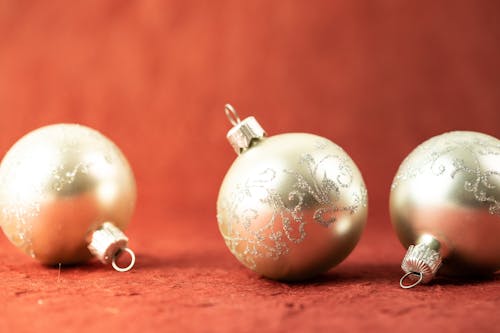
<point x="64" y="188"/>
<point x="292" y="205"/>
<point x="445" y="206"/>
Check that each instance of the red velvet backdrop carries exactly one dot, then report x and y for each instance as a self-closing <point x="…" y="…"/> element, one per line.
<point x="376" y="77"/>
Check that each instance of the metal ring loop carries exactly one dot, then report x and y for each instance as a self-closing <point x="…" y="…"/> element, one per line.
<point x="408" y="286"/>
<point x="132" y="260"/>
<point x="232" y="115"/>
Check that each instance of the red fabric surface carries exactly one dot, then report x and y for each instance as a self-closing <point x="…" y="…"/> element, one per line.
<point x="377" y="78"/>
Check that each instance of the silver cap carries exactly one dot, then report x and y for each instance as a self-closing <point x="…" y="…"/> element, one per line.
<point x="244" y="131"/>
<point x="107" y="243"/>
<point x="422" y="261"/>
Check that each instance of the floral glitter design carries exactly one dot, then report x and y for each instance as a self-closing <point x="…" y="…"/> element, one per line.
<point x="439" y="150"/>
<point x="288" y="218"/>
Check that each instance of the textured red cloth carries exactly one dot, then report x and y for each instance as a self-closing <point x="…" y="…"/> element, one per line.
<point x="377" y="78"/>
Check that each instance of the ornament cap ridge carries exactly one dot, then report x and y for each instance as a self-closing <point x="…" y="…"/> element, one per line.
<point x="420" y="261"/>
<point x="107" y="243"/>
<point x="244" y="132"/>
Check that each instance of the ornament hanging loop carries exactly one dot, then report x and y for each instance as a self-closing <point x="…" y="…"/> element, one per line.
<point x="232" y="115"/>
<point x="414" y="284"/>
<point x="130" y="265"/>
<point x="108" y="243"/>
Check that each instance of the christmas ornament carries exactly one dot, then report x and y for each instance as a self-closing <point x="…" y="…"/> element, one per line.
<point x="445" y="207"/>
<point x="292" y="205"/>
<point x="66" y="191"/>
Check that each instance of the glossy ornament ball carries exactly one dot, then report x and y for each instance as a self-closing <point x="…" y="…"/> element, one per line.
<point x="292" y="205"/>
<point x="445" y="206"/>
<point x="60" y="187"/>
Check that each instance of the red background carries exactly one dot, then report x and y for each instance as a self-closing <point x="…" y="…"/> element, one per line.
<point x="376" y="77"/>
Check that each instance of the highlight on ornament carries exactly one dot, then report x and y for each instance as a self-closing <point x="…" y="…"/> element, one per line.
<point x="291" y="206"/>
<point x="445" y="207"/>
<point x="66" y="194"/>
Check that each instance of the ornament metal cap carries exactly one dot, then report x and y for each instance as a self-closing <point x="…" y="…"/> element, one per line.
<point x="244" y="131"/>
<point x="420" y="263"/>
<point x="107" y="243"/>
